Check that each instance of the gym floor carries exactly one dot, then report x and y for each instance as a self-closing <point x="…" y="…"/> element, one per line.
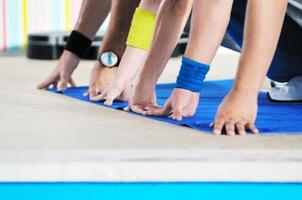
<point x="48" y="137"/>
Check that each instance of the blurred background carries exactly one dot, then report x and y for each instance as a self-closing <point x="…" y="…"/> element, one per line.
<point x="19" y="18"/>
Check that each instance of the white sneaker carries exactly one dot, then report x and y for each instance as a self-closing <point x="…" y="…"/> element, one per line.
<point x="291" y="91"/>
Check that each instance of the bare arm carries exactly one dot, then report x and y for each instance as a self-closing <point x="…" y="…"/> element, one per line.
<point x="238" y="111"/>
<point x="131" y="63"/>
<point x="263" y="24"/>
<point x="171" y="19"/>
<point x="209" y="22"/>
<point x="92" y="15"/>
<point x="115" y="40"/>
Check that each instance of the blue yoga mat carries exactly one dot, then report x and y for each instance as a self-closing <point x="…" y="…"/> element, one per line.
<point x="272" y="117"/>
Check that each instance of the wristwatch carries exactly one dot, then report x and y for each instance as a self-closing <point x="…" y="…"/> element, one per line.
<point x="108" y="59"/>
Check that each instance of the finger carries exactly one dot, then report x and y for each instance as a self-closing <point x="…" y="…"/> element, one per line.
<point x="151" y="107"/>
<point x="99" y="97"/>
<point x="138" y="109"/>
<point x="155" y="112"/>
<point x="62" y="85"/>
<point x="46" y="83"/>
<point x="188" y="113"/>
<point x="160" y="112"/>
<point x="252" y="128"/>
<point x="92" y="91"/>
<point x="111" y="96"/>
<point x="240" y="128"/>
<point x="55" y="84"/>
<point x="85" y="94"/>
<point x="167" y="111"/>
<point x="218" y="126"/>
<point x="177" y="113"/>
<point x="230" y="128"/>
<point x="72" y="83"/>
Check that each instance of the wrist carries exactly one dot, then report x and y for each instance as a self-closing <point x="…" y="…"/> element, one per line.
<point x="191" y="75"/>
<point x="108" y="59"/>
<point x="245" y="90"/>
<point x="78" y="44"/>
<point x="70" y="56"/>
<point x="147" y="79"/>
<point x="145" y="82"/>
<point x="115" y="44"/>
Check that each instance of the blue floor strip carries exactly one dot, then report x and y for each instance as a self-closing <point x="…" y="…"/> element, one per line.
<point x="150" y="191"/>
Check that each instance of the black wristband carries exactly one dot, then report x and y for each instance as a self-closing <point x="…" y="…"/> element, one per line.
<point x="78" y="44"/>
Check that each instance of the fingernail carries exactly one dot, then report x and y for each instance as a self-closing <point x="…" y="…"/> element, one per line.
<point x="60" y="89"/>
<point x="231" y="134"/>
<point x="242" y="133"/>
<point x="107" y="103"/>
<point x="216" y="132"/>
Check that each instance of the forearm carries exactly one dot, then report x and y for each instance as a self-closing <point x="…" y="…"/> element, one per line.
<point x="92" y="15"/>
<point x="171" y="19"/>
<point x="135" y="54"/>
<point x="263" y="25"/>
<point x="209" y="22"/>
<point x="121" y="15"/>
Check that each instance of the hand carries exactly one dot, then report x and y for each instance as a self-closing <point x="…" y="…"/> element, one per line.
<point x="116" y="90"/>
<point x="61" y="75"/>
<point x="100" y="79"/>
<point x="237" y="114"/>
<point x="120" y="87"/>
<point x="182" y="103"/>
<point x="143" y="99"/>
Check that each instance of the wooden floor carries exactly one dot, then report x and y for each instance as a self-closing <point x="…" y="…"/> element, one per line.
<point x="48" y="137"/>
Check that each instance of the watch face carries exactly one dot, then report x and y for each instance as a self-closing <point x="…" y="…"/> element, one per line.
<point x="109" y="59"/>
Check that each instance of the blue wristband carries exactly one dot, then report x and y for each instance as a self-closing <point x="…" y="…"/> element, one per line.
<point x="191" y="75"/>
